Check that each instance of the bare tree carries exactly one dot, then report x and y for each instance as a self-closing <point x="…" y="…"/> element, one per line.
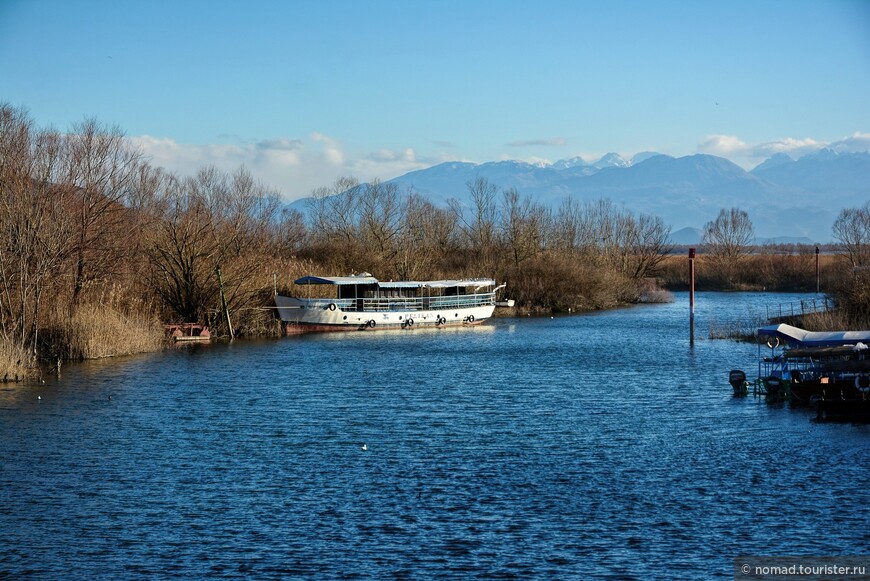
<point x="380" y="216"/>
<point x="333" y="211"/>
<point x="291" y="234"/>
<point x="102" y="169"/>
<point x="208" y="221"/>
<point x="727" y="239"/>
<point x="852" y="230"/>
<point x="478" y="223"/>
<point x="182" y="252"/>
<point x="646" y="245"/>
<point x="567" y="226"/>
<point x="524" y="227"/>
<point x="34" y="225"/>
<point x="415" y="253"/>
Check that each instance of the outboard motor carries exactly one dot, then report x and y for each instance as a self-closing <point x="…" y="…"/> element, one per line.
<point x="737" y="379"/>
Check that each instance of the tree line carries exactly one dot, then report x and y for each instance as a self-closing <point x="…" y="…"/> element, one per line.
<point x="90" y="228"/>
<point x="583" y="248"/>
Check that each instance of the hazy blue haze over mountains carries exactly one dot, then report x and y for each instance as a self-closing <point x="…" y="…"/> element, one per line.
<point x="794" y="200"/>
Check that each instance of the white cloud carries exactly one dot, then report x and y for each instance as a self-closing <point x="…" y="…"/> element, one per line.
<point x="548" y="142"/>
<point x="747" y="154"/>
<point x="388" y="155"/>
<point x="793" y="147"/>
<point x="294" y="167"/>
<point x="854" y="143"/>
<point x="723" y="145"/>
<point x="280" y="143"/>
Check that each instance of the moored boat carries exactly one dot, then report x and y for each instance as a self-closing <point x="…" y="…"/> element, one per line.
<point x="815" y="373"/>
<point x="363" y="303"/>
<point x="843" y="410"/>
<point x="790" y="336"/>
<point x="807" y="368"/>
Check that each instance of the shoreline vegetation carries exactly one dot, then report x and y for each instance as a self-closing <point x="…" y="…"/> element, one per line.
<point x="99" y="249"/>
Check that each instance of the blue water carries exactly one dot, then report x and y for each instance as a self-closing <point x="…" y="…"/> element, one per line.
<point x="590" y="446"/>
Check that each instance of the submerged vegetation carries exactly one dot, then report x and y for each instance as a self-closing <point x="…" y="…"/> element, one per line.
<point x="98" y="248"/>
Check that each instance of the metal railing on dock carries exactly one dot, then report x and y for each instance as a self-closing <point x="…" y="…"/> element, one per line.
<point x="793" y="310"/>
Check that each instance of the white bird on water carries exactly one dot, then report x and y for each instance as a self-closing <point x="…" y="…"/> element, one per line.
<point x="364" y="447"/>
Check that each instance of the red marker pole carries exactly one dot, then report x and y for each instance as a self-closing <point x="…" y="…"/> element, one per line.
<point x="691" y="297"/>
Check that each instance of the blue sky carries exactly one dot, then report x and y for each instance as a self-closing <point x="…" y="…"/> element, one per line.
<point x="304" y="91"/>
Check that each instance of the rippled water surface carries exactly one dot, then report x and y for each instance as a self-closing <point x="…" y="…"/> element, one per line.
<point x="573" y="447"/>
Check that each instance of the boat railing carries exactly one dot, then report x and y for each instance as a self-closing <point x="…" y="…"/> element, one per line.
<point x="383" y="304"/>
<point x="422" y="303"/>
<point x="812" y="367"/>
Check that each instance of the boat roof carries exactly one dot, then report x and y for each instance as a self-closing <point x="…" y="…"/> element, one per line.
<point x="337" y="280"/>
<point x="818" y="352"/>
<point x="801" y="338"/>
<point x="366" y="278"/>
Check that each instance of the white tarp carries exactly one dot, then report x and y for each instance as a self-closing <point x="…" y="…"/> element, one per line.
<point x="368" y="279"/>
<point x="801" y="337"/>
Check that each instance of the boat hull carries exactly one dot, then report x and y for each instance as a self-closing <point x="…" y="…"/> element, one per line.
<point x="318" y="316"/>
<point x="844" y="410"/>
<point x="807" y="393"/>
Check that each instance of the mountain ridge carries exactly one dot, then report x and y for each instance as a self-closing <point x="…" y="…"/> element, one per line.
<point x="784" y="197"/>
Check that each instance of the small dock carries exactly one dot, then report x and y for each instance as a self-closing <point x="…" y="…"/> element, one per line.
<point x="188" y="332"/>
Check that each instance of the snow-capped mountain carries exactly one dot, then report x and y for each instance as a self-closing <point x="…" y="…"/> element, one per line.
<point x="569" y="163"/>
<point x="825" y="172"/>
<point x="784" y="197"/>
<point x="611" y="160"/>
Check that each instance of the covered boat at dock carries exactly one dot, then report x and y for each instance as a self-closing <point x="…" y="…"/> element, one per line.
<point x="787" y="335"/>
<point x="362" y="302"/>
<point x="810" y="374"/>
<point x="828" y="370"/>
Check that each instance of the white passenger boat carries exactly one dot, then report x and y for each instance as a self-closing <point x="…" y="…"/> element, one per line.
<point x="362" y="302"/>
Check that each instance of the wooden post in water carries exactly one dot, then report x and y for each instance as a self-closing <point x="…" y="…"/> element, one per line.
<point x="817" y="270"/>
<point x="217" y="269"/>
<point x="691" y="297"/>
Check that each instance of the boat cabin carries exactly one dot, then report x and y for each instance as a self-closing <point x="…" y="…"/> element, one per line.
<point x="364" y="292"/>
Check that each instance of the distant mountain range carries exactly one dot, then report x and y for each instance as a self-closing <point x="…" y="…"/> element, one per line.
<point x="787" y="199"/>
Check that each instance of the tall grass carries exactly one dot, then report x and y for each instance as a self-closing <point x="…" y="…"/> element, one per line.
<point x="763" y="271"/>
<point x="741" y="330"/>
<point x="829" y="320"/>
<point x="97" y="331"/>
<point x="16" y="363"/>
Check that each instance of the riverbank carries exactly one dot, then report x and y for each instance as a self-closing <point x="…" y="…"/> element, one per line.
<point x="99" y="331"/>
<point x="93" y="332"/>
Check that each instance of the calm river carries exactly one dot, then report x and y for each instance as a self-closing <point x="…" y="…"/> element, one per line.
<point x="570" y="447"/>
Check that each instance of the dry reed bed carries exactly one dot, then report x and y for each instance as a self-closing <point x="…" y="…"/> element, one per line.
<point x="97" y="331"/>
<point x="14" y="362"/>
